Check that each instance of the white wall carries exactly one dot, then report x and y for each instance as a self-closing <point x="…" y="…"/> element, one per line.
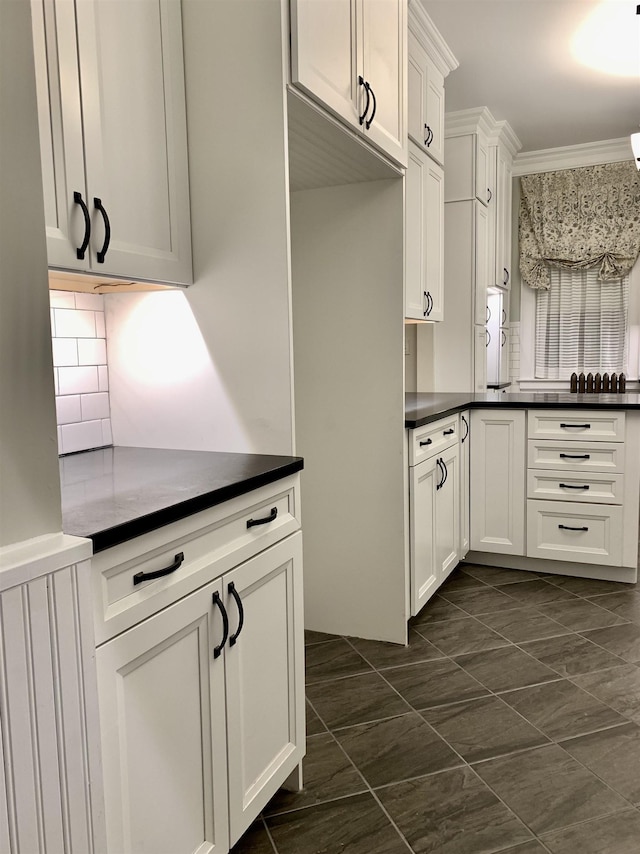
<point x="29" y="479"/>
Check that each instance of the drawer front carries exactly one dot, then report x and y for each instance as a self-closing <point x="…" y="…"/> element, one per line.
<point x="574" y="532"/>
<point x="576" y="425"/>
<point x="426" y="441"/>
<point x="576" y="456"/>
<point x="203" y="546"/>
<point x="590" y="487"/>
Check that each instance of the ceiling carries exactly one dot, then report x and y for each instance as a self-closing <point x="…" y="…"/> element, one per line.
<point x="515" y="58"/>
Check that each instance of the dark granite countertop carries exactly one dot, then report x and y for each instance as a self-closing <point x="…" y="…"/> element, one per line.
<point x="114" y="494"/>
<point x="423" y="407"/>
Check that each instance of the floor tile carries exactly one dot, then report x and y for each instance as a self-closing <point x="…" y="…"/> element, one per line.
<point x="483" y="729"/>
<point x="434" y="683"/>
<point x="458" y="636"/>
<point x="355" y="825"/>
<point x="548" y="789"/>
<point x="436" y="610"/>
<point x="618" y="687"/>
<point x="314" y="724"/>
<point x="311" y="637"/>
<point x="621" y="640"/>
<point x="452" y="813"/>
<point x="614" y="756"/>
<point x="327" y="774"/>
<point x="460" y="580"/>
<point x="615" y="834"/>
<point x="523" y="624"/>
<point x="380" y="654"/>
<point x="506" y="668"/>
<point x="625" y="605"/>
<point x="527" y="848"/>
<point x="579" y="615"/>
<point x="561" y="709"/>
<point x="497" y="574"/>
<point x="332" y="660"/>
<point x="571" y="654"/>
<point x="535" y="592"/>
<point x="254" y="841"/>
<point x="396" y="749"/>
<point x="479" y="600"/>
<point x="355" y="700"/>
<point x="588" y="586"/>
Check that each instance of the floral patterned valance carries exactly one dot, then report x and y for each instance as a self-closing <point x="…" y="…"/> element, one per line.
<point x="580" y="219"/>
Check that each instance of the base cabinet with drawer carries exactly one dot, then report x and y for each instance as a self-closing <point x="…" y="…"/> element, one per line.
<point x="202" y="701"/>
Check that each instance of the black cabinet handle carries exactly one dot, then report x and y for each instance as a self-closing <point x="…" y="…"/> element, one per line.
<point x="251" y="523"/>
<point x="504" y="337"/>
<point x="139" y="577"/>
<point x="572" y="486"/>
<point x="364" y="83"/>
<point x="375" y="104"/>
<point x="441" y="467"/>
<point x="505" y="280"/>
<point x="489" y="194"/>
<point x="579" y="426"/>
<point x="426" y="442"/>
<point x="504" y="316"/>
<point x="448" y="432"/>
<point x="225" y="625"/>
<point x="488" y="338"/>
<point x="488" y="315"/>
<point x="97" y="203"/>
<point x="232" y="590"/>
<point x="429" y="138"/>
<point x="466" y="424"/>
<point x="428" y="299"/>
<point x="446" y="471"/>
<point x="575" y="456"/>
<point x="569" y="528"/>
<point x="78" y="200"/>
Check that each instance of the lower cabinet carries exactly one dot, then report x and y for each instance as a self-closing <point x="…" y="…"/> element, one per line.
<point x="465" y="500"/>
<point x="202" y="709"/>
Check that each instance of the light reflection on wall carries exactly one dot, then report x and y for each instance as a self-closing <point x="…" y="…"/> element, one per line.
<point x="609" y="39"/>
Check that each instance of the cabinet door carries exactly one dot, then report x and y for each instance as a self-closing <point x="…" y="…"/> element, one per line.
<point x="481" y="268"/>
<point x="264" y="679"/>
<point x="417" y="86"/>
<point x="447" y="528"/>
<point x="134" y="122"/>
<point x="423" y="480"/>
<point x="484" y="193"/>
<point x="382" y="58"/>
<point x="498" y="493"/>
<point x="480" y="344"/>
<point x="501" y="274"/>
<point x="434" y="96"/>
<point x="465" y="443"/>
<point x="162" y="719"/>
<point x="504" y="339"/>
<point x="434" y="237"/>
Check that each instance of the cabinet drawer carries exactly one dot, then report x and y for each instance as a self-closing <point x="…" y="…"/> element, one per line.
<point x="574" y="532"/>
<point x="432" y="438"/>
<point x="590" y="487"/>
<point x="210" y="543"/>
<point x="576" y="425"/>
<point x="576" y="456"/>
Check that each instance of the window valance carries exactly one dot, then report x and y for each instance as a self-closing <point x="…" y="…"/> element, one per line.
<point x="580" y="219"/>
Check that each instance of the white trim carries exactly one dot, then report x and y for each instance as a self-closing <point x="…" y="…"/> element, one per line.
<point x="22" y="562"/>
<point x="572" y="156"/>
<point x="474" y="120"/>
<point x="431" y="39"/>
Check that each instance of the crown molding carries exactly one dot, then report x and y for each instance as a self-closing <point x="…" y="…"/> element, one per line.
<point x="572" y="156"/>
<point x="505" y="135"/>
<point x="474" y="120"/>
<point x="430" y="38"/>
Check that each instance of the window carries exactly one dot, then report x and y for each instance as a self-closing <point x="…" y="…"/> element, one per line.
<point x="582" y="324"/>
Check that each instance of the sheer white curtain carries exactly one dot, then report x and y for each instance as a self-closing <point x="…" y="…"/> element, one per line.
<point x="582" y="324"/>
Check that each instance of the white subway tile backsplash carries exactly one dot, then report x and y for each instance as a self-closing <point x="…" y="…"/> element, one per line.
<point x="72" y="323"/>
<point x="94" y="406"/>
<point x="65" y="352"/>
<point x="92" y="351"/>
<point x="81" y="380"/>
<point x="62" y="299"/>
<point x="103" y="378"/>
<point x="101" y="330"/>
<point x="90" y="302"/>
<point x="53" y="322"/>
<point x="80" y="437"/>
<point x="68" y="409"/>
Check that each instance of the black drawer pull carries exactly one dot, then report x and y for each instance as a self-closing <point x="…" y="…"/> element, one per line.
<point x="440" y="465"/>
<point x="579" y="426"/>
<point x="572" y="486"/>
<point x="426" y="442"/>
<point x="78" y="200"/>
<point x="466" y="424"/>
<point x="232" y="590"/>
<point x="253" y="522"/>
<point x="101" y="254"/>
<point x="448" y="432"/>
<point x="139" y="577"/>
<point x="575" y="456"/>
<point x="225" y="624"/>
<point x="363" y="82"/>
<point x="569" y="528"/>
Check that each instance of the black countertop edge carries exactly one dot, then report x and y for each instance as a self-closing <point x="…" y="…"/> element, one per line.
<point x="423" y="407"/>
<point x="498" y="385"/>
<point x="152" y="521"/>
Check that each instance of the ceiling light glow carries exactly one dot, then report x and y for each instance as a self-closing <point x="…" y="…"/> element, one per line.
<point x="609" y="39"/>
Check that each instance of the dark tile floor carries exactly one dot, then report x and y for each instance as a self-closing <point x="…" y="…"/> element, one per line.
<point x="510" y="724"/>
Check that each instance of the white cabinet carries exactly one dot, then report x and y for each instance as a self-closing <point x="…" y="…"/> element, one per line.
<point x="350" y="55"/>
<point x="424" y="237"/>
<point x="426" y="101"/>
<point x="468" y="168"/>
<point x="111" y="103"/>
<point x="501" y="250"/>
<point x="498" y="468"/>
<point x="465" y="484"/>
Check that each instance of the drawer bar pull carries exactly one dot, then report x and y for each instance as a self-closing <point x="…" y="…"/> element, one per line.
<point x="569" y="528"/>
<point x="426" y="442"/>
<point x="225" y="624"/>
<point x="572" y="486"/>
<point x="575" y="456"/>
<point x="232" y="590"/>
<point x="139" y="577"/>
<point x="579" y="426"/>
<point x="448" y="432"/>
<point x="251" y="523"/>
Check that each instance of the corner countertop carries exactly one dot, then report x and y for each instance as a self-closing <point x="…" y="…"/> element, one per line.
<point x="114" y="494"/>
<point x="423" y="407"/>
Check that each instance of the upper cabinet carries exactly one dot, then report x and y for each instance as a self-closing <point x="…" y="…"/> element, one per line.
<point x="350" y="55"/>
<point x="111" y="102"/>
<point x="504" y="145"/>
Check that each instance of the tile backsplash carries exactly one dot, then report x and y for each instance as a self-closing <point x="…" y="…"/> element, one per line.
<point x="80" y="371"/>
